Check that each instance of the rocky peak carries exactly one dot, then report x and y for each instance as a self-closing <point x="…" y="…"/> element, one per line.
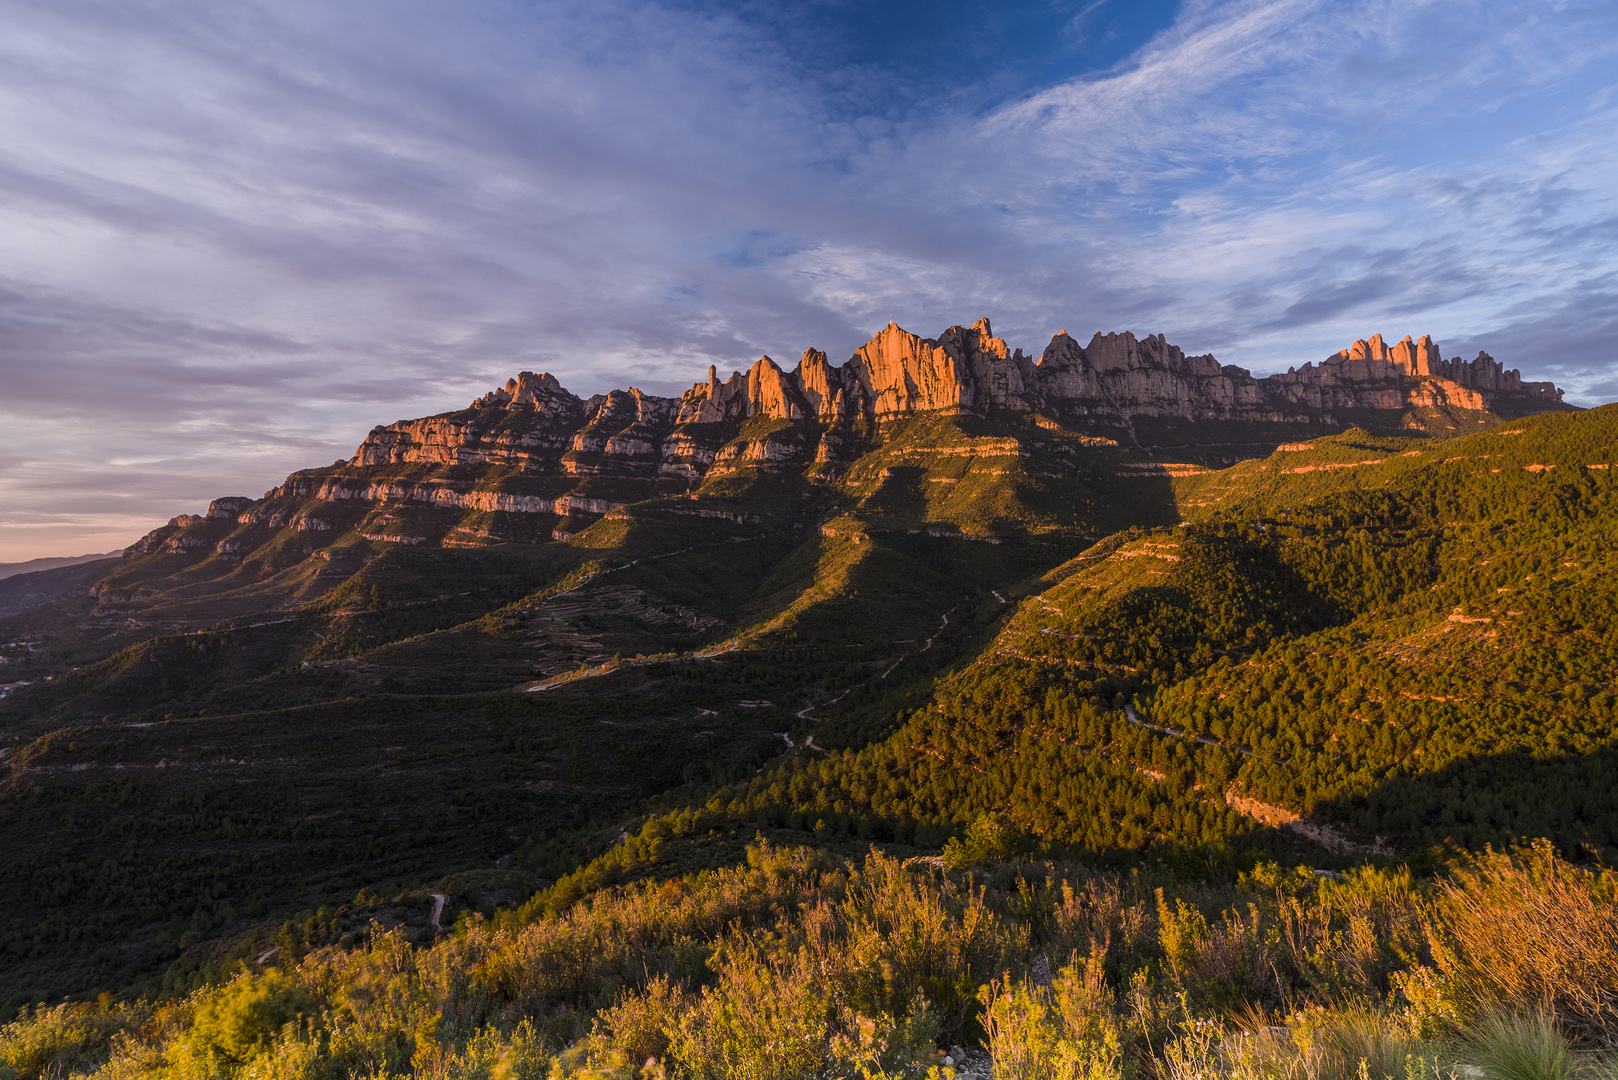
<point x="1105" y="385"/>
<point x="228" y="507"/>
<point x="541" y="391"/>
<point x="1372" y="361"/>
<point x="626" y="407"/>
<point x="896" y="372"/>
<point x="1481" y="383"/>
<point x="1063" y="354"/>
<point x="714" y="401"/>
<point x="820" y="384"/>
<point x="901" y="373"/>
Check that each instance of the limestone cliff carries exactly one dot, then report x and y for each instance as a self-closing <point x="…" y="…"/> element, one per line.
<point x="1369" y="374"/>
<point x="529" y="460"/>
<point x="1114" y="379"/>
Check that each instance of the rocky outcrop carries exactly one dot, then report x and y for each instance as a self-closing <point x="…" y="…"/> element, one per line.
<point x="1112" y="382"/>
<point x="448" y="496"/>
<point x="532" y="448"/>
<point x="894" y="373"/>
<point x="1121" y="376"/>
<point x="1369" y="374"/>
<point x="1115" y="378"/>
<point x="229" y="507"/>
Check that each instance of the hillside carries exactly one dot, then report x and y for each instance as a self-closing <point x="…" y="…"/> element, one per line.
<point x="1379" y="646"/>
<point x="938" y="585"/>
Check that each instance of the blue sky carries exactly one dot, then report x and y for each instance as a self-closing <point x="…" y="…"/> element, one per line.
<point x="233" y="237"/>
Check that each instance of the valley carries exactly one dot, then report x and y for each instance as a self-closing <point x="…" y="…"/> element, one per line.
<point x="1119" y="607"/>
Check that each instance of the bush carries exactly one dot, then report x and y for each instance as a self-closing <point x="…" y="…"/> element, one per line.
<point x="242" y="1019"/>
<point x="1508" y="1047"/>
<point x="1525" y="932"/>
<point x="60" y="1040"/>
<point x="1068" y="1031"/>
<point x="989" y="839"/>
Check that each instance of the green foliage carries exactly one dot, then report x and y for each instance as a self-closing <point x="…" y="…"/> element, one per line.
<point x="1068" y="1031"/>
<point x="1360" y="649"/>
<point x="68" y="1038"/>
<point x="1409" y="648"/>
<point x="796" y="965"/>
<point x="242" y="1020"/>
<point x="989" y="839"/>
<point x="1509" y="1046"/>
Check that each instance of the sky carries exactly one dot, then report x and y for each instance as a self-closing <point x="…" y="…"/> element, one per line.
<point x="234" y="237"/>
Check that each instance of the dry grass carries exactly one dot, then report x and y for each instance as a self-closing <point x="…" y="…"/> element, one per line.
<point x="799" y="965"/>
<point x="1515" y="1047"/>
<point x="1531" y="934"/>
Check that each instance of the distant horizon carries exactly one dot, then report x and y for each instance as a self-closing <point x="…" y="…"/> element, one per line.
<point x="27" y="566"/>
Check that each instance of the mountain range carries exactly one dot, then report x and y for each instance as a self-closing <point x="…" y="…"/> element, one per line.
<point x="1127" y="603"/>
<point x="533" y="448"/>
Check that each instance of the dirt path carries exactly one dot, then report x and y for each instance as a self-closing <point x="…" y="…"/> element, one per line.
<point x="586" y="579"/>
<point x="1275" y="816"/>
<point x="613" y="665"/>
<point x="1129" y="714"/>
<point x="803" y="714"/>
<point x="439" y="900"/>
<point x="926" y="644"/>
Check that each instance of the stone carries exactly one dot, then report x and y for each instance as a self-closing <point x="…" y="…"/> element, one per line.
<point x="567" y="456"/>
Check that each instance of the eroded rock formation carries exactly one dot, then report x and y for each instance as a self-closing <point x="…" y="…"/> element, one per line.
<point x="1116" y="377"/>
<point x="1113" y="381"/>
<point x="531" y="448"/>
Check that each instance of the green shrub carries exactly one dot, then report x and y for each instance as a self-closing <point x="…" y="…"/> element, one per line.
<point x="1068" y="1031"/>
<point x="241" y="1019"/>
<point x="989" y="839"/>
<point x="1516" y="1047"/>
<point x="60" y="1040"/>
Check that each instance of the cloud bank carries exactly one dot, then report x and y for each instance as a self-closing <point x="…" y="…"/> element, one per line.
<point x="236" y="236"/>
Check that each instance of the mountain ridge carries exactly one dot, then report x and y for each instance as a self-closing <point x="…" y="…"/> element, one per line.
<point x="1139" y="393"/>
<point x="1105" y="385"/>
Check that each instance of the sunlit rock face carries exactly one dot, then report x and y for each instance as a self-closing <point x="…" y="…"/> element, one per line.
<point x="1116" y="376"/>
<point x="531" y="448"/>
<point x="1371" y="375"/>
<point x="1114" y="381"/>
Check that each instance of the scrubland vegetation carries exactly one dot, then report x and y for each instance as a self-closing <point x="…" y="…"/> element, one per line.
<point x="800" y="964"/>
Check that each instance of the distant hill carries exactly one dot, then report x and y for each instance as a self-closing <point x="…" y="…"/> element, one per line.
<point x="1377" y="645"/>
<point x="37" y="588"/>
<point x="12" y="569"/>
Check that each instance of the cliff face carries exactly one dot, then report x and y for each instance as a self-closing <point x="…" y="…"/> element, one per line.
<point x="530" y="461"/>
<point x="1369" y="374"/>
<point x="1115" y="378"/>
<point x="1113" y="381"/>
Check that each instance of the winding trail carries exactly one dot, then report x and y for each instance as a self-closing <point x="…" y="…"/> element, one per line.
<point x="803" y="714"/>
<point x="439" y="900"/>
<point x="613" y="665"/>
<point x="1129" y="714"/>
<point x="925" y="645"/>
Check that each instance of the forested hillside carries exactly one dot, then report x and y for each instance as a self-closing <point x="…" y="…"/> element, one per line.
<point x="1391" y="649"/>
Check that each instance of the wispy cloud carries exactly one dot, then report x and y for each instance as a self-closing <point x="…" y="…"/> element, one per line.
<point x="236" y="236"/>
